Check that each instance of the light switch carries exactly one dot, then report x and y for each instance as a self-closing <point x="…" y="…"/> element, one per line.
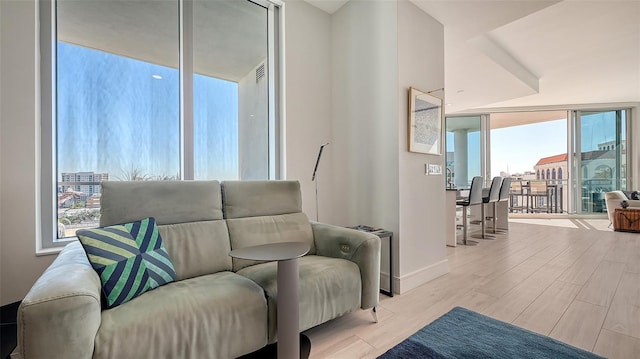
<point x="433" y="169"/>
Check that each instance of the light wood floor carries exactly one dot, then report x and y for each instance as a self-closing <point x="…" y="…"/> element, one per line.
<point x="570" y="279"/>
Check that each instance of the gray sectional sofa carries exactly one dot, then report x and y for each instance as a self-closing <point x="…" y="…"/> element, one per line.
<point x="218" y="307"/>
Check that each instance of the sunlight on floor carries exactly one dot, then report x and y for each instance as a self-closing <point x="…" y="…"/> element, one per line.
<point x="586" y="223"/>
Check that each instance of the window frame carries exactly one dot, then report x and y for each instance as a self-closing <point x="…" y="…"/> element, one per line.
<point x="47" y="241"/>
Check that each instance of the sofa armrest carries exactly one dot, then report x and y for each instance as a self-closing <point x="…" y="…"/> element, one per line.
<point x="359" y="247"/>
<point x="613" y="201"/>
<point x="61" y="314"/>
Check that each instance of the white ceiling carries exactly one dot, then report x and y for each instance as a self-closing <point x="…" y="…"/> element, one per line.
<point x="230" y="37"/>
<point x="498" y="54"/>
<point x="530" y="53"/>
<point x="503" y="119"/>
<point x="329" y="6"/>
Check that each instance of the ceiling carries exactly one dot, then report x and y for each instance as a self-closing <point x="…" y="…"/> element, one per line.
<point x="499" y="55"/>
<point x="503" y="119"/>
<point x="229" y="37"/>
<point x="509" y="119"/>
<point x="514" y="54"/>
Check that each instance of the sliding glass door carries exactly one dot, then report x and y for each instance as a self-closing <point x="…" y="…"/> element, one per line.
<point x="599" y="157"/>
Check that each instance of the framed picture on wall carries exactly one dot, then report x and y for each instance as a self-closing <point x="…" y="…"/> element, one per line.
<point x="425" y="122"/>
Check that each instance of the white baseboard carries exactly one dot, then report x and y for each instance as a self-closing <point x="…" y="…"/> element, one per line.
<point x="421" y="276"/>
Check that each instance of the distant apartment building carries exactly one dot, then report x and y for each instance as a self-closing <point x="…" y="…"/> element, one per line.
<point x="85" y="182"/>
<point x="80" y="187"/>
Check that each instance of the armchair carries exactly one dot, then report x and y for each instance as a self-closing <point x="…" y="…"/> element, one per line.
<point x="613" y="200"/>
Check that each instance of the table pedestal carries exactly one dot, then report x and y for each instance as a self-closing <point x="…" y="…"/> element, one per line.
<point x="288" y="315"/>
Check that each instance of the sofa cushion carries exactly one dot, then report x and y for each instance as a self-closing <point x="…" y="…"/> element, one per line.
<point x="168" y="202"/>
<point x="253" y="231"/>
<point x="260" y="198"/>
<point x="197" y="248"/>
<point x="329" y="288"/>
<point x="222" y="315"/>
<point x="129" y="258"/>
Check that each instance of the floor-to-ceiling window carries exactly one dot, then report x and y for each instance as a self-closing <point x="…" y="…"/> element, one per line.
<point x="531" y="146"/>
<point x="580" y="155"/>
<point x="600" y="157"/>
<point x="153" y="90"/>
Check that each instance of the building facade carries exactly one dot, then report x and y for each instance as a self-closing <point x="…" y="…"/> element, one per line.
<point x="85" y="182"/>
<point x="76" y="187"/>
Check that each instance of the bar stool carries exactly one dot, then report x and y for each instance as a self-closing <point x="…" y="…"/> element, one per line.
<point x="492" y="198"/>
<point x="475" y="198"/>
<point x="504" y="197"/>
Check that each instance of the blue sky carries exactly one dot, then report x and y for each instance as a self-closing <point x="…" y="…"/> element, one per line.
<point x="116" y="114"/>
<point x="519" y="148"/>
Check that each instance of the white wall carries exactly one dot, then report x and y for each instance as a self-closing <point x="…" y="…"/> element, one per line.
<point x="19" y="128"/>
<point x="422" y="245"/>
<point x="364" y="121"/>
<point x="308" y="103"/>
<point x="364" y="126"/>
<point x="380" y="48"/>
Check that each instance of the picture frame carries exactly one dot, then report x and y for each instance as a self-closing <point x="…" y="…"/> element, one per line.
<point x="425" y="122"/>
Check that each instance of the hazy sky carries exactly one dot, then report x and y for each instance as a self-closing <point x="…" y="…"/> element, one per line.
<point x="117" y="114"/>
<point x="519" y="148"/>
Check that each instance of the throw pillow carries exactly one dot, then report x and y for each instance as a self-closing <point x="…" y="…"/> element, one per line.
<point x="628" y="194"/>
<point x="130" y="259"/>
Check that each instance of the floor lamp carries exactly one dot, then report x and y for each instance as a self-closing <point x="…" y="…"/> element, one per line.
<point x="313" y="178"/>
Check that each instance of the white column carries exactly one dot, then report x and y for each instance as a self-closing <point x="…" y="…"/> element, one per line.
<point x="460" y="161"/>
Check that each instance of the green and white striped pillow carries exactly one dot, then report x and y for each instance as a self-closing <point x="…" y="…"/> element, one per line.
<point x="130" y="259"/>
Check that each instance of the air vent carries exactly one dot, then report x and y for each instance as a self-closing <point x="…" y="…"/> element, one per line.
<point x="259" y="73"/>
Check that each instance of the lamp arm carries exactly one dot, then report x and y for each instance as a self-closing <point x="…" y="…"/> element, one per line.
<point x="315" y="169"/>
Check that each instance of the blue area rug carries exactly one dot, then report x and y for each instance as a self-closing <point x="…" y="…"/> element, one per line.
<point x="462" y="333"/>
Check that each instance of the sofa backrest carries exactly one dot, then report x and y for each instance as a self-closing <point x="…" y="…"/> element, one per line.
<point x="189" y="217"/>
<point x="261" y="212"/>
<point x="619" y="195"/>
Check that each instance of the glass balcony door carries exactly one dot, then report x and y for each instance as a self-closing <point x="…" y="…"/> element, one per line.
<point x="599" y="157"/>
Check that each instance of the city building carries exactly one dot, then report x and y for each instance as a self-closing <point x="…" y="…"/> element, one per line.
<point x="551" y="168"/>
<point x="85" y="182"/>
<point x="80" y="187"/>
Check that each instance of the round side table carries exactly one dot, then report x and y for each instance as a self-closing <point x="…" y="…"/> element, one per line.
<point x="286" y="254"/>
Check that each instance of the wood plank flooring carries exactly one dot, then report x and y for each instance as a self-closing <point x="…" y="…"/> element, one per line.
<point x="571" y="279"/>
